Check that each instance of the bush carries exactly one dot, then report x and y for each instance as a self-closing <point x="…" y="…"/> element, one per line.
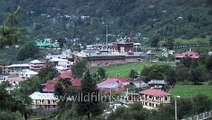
<point x="29" y="50"/>
<point x="8" y="115"/>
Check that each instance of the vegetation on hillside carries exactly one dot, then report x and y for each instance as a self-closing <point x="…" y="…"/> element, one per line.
<point x="86" y="20"/>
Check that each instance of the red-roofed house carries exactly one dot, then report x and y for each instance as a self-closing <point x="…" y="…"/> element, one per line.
<point x="49" y="85"/>
<point x="76" y="82"/>
<point x="66" y="74"/>
<point x="15" y="81"/>
<point x="115" y="84"/>
<point x="188" y="54"/>
<point x="152" y="98"/>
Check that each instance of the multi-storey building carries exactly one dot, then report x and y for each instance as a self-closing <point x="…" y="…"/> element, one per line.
<point x="152" y="98"/>
<point x="36" y="65"/>
<point x="45" y="100"/>
<point x="16" y="69"/>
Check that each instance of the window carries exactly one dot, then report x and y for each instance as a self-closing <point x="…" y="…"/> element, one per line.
<point x="166" y="98"/>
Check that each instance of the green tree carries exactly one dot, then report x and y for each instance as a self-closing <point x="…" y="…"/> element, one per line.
<point x="64" y="90"/>
<point x="208" y="63"/>
<point x="59" y="91"/>
<point x="182" y="73"/>
<point x="13" y="102"/>
<point x="10" y="36"/>
<point x="198" y="74"/>
<point x="169" y="44"/>
<point x="61" y="42"/>
<point x="164" y="112"/>
<point x="79" y="68"/>
<point x="76" y="47"/>
<point x="9" y="33"/>
<point x="155" y="40"/>
<point x="101" y="72"/>
<point x="210" y="41"/>
<point x="154" y="72"/>
<point x="90" y="106"/>
<point x="29" y="50"/>
<point x="186" y="62"/>
<point x="9" y="115"/>
<point x="47" y="73"/>
<point x="171" y="76"/>
<point x="12" y="17"/>
<point x="61" y="85"/>
<point x="133" y="74"/>
<point x="30" y="85"/>
<point x="134" y="112"/>
<point x="201" y="103"/>
<point x="185" y="107"/>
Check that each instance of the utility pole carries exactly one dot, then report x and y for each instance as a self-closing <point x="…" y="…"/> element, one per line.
<point x="106" y="37"/>
<point x="175" y="106"/>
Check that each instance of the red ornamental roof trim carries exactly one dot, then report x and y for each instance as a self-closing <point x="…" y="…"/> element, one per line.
<point x="188" y="54"/>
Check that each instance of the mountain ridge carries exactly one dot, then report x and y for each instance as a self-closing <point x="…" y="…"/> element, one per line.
<point x="86" y="20"/>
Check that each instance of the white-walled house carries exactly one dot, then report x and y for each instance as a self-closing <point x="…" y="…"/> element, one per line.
<point x="46" y="100"/>
<point x="64" y="55"/>
<point x="27" y="73"/>
<point x="36" y="65"/>
<point x="16" y="69"/>
<point x="60" y="62"/>
<point x="152" y="98"/>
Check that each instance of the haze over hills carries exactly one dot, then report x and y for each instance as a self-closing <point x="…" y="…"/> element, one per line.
<point x="86" y="20"/>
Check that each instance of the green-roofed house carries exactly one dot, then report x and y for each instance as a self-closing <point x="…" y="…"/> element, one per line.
<point x="47" y="43"/>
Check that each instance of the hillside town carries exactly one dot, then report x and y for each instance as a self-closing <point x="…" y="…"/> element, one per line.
<point x="151" y="94"/>
<point x="105" y="60"/>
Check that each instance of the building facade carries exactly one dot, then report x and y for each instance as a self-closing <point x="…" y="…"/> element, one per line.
<point x="152" y="98"/>
<point x="112" y="58"/>
<point x="188" y="54"/>
<point x="36" y="65"/>
<point x="45" y="100"/>
<point x="27" y="73"/>
<point x="16" y="69"/>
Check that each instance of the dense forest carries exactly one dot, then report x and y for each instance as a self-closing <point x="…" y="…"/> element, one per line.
<point x="86" y="20"/>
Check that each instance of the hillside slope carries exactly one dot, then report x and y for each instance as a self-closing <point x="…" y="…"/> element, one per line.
<point x="86" y="19"/>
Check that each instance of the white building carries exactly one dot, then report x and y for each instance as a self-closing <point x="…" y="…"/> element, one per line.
<point x="27" y="73"/>
<point x="36" y="65"/>
<point x="65" y="55"/>
<point x="60" y="62"/>
<point x="47" y="100"/>
<point x="151" y="98"/>
<point x="16" y="69"/>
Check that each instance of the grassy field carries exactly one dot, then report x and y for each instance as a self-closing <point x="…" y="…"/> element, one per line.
<point x="189" y="91"/>
<point x="192" y="41"/>
<point x="204" y="49"/>
<point x="123" y="70"/>
<point x="209" y="118"/>
<point x="189" y="41"/>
